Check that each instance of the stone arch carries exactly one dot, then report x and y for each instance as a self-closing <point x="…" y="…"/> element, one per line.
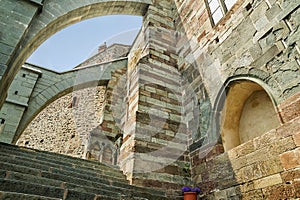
<point x="64" y="83"/>
<point x="33" y="111"/>
<point x="56" y="15"/>
<point x="245" y="109"/>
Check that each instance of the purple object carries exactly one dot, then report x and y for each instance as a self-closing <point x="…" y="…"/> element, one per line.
<point x="186" y="189"/>
<point x="189" y="189"/>
<point x="196" y="190"/>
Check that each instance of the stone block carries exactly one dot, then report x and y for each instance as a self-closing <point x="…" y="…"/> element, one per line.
<point x="290" y="159"/>
<point x="290" y="108"/>
<point x="267" y="181"/>
<point x="221" y="194"/>
<point x="259" y="11"/>
<point x="289" y="128"/>
<point x="269" y="167"/>
<point x="245" y="148"/>
<point x="261" y="23"/>
<point x="273" y="12"/>
<point x="296" y="138"/>
<point x="258" y="155"/>
<point x="282" y="191"/>
<point x="233" y="192"/>
<point x="255" y="51"/>
<point x="266" y="57"/>
<point x="4" y="58"/>
<point x="290" y="175"/>
<point x="5" y="49"/>
<point x="265" y="139"/>
<point x="239" y="163"/>
<point x="246" y="173"/>
<point x="296" y="185"/>
<point x="281" y="146"/>
<point x="255" y="194"/>
<point x="247" y="186"/>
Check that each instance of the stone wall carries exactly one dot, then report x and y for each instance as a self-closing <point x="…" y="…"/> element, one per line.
<point x="106" y="54"/>
<point x="72" y="119"/>
<point x="255" y="38"/>
<point x="63" y="126"/>
<point x="180" y="73"/>
<point x="256" y="41"/>
<point x="17" y="102"/>
<point x="266" y="167"/>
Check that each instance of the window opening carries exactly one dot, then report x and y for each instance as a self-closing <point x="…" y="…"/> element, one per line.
<point x="219" y="8"/>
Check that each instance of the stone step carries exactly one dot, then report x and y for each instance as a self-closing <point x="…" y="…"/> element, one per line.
<point x="30" y="170"/>
<point x="34" y="168"/>
<point x="17" y="196"/>
<point x="65" y="158"/>
<point x="78" y="184"/>
<point x="10" y="171"/>
<point x="79" y="187"/>
<point x="43" y="188"/>
<point x="48" y="191"/>
<point x="58" y="158"/>
<point x="23" y="165"/>
<point x="54" y="179"/>
<point x="48" y="165"/>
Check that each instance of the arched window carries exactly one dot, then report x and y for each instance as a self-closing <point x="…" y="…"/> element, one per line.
<point x="248" y="112"/>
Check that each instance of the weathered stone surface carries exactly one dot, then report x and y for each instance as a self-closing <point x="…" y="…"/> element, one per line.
<point x="268" y="181"/>
<point x="37" y="89"/>
<point x="256" y="194"/>
<point x="63" y="126"/>
<point x="179" y="72"/>
<point x="290" y="159"/>
<point x="290" y="109"/>
<point x="280" y="191"/>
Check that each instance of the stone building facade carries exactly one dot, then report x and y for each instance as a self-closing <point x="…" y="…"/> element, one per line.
<point x="249" y="68"/>
<point x="106" y="54"/>
<point x="66" y="125"/>
<point x="211" y="97"/>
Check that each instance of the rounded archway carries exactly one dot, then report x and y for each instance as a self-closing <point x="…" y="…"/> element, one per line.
<point x="248" y="112"/>
<point x="56" y="15"/>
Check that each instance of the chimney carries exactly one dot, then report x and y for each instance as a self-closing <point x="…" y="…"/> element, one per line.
<point x="102" y="48"/>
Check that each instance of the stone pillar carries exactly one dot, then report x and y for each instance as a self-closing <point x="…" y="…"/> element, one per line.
<point x="154" y="150"/>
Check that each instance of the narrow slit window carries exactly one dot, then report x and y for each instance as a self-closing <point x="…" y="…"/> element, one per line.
<point x="2" y="124"/>
<point x="74" y="102"/>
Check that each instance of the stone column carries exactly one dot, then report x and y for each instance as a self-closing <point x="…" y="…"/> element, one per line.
<point x="154" y="150"/>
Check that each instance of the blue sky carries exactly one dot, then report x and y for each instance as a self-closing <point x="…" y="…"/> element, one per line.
<point x="74" y="44"/>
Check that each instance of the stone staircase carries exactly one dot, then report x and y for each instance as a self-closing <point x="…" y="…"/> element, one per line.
<point x="32" y="174"/>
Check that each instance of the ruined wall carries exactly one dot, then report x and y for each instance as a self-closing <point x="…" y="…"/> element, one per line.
<point x="258" y="41"/>
<point x="105" y="139"/>
<point x="107" y="54"/>
<point x="64" y="125"/>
